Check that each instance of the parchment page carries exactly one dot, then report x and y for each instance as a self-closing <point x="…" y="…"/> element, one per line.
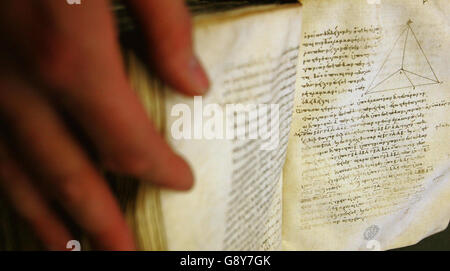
<point x="251" y="57"/>
<point x="368" y="160"/>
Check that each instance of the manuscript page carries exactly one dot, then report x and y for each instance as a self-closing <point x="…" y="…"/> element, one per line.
<point x="251" y="57"/>
<point x="368" y="160"/>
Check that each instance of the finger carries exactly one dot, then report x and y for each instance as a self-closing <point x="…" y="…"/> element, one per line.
<point x="88" y="78"/>
<point x="30" y="204"/>
<point x="167" y="28"/>
<point x="61" y="163"/>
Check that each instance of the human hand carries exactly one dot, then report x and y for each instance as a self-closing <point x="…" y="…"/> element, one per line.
<point x="61" y="62"/>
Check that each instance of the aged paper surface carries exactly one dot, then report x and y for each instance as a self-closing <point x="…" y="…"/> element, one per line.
<point x="251" y="57"/>
<point x="368" y="160"/>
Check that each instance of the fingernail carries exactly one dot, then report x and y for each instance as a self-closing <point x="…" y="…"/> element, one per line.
<point x="199" y="78"/>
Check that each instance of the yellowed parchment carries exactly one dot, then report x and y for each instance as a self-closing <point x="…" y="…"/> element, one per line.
<point x="251" y="56"/>
<point x="368" y="160"/>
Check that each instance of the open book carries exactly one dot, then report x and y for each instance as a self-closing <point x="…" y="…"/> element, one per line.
<point x="357" y="150"/>
<point x="361" y="156"/>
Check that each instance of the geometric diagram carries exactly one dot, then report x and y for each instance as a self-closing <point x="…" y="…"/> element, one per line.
<point x="405" y="66"/>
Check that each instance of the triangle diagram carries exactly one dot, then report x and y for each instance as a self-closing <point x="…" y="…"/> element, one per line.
<point x="405" y="66"/>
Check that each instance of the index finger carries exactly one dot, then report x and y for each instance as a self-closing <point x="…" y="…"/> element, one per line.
<point x="83" y="70"/>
